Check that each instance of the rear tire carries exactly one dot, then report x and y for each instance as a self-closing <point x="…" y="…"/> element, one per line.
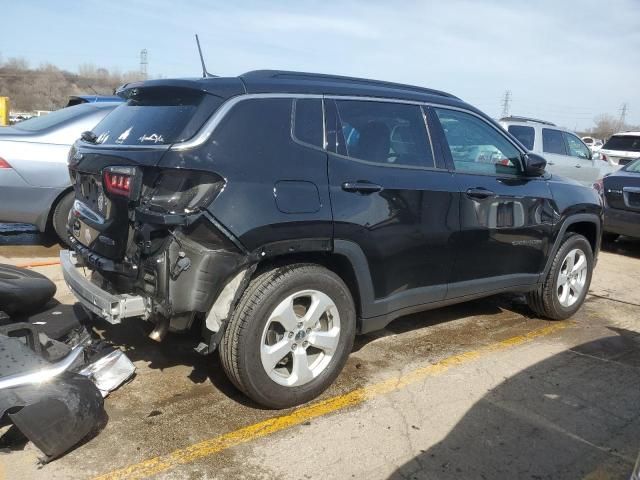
<point x="60" y="217"/>
<point x="290" y="335"/>
<point x="567" y="283"/>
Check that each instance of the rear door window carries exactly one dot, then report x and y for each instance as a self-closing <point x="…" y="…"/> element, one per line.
<point x="553" y="142"/>
<point x="525" y="135"/>
<point x="386" y="133"/>
<point x="156" y="116"/>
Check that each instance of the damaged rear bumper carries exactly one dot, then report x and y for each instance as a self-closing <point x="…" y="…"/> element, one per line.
<point x="112" y="308"/>
<point x="56" y="405"/>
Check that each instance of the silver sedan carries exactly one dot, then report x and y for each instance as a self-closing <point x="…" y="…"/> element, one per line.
<point x="34" y="179"/>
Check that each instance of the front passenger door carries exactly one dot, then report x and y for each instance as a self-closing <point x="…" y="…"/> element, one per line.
<point x="585" y="171"/>
<point x="554" y="149"/>
<point x="505" y="216"/>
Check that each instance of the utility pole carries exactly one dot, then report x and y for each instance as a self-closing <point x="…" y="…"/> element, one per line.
<point x="623" y="116"/>
<point x="143" y="63"/>
<point x="506" y="103"/>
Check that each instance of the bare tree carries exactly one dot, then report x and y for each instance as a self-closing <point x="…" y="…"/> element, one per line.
<point x="48" y="87"/>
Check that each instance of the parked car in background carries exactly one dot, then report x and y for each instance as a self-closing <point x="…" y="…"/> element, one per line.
<point x="594" y="144"/>
<point x="566" y="154"/>
<point x="284" y="212"/>
<point x="621" y="194"/>
<point x="34" y="178"/>
<point x="78" y="99"/>
<point x="621" y="148"/>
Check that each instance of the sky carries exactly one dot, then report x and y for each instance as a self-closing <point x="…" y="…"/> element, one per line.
<point x="566" y="61"/>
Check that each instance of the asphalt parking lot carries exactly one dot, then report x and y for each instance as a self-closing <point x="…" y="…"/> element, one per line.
<point x="481" y="390"/>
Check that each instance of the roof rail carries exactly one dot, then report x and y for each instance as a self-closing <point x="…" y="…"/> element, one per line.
<point x="284" y="74"/>
<point x="525" y="119"/>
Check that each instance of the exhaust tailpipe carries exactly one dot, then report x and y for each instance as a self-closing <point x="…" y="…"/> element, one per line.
<point x="160" y="330"/>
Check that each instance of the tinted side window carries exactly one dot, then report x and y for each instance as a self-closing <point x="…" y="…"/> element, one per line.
<point x="525" y="135"/>
<point x="477" y="147"/>
<point x="384" y="133"/>
<point x="552" y="142"/>
<point x="307" y="121"/>
<point x="576" y="147"/>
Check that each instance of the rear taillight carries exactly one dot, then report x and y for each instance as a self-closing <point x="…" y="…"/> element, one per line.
<point x="183" y="192"/>
<point x="4" y="163"/>
<point x="119" y="180"/>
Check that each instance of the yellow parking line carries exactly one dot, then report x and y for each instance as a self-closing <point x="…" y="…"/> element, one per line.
<point x="214" y="445"/>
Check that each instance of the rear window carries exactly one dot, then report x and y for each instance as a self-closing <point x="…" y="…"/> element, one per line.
<point x="525" y="135"/>
<point x="53" y="119"/>
<point x="627" y="143"/>
<point x="156" y="116"/>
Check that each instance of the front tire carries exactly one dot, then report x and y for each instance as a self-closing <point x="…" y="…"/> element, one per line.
<point x="567" y="283"/>
<point x="290" y="335"/>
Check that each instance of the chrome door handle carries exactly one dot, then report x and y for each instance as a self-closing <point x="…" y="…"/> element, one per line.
<point x="578" y="166"/>
<point x="550" y="163"/>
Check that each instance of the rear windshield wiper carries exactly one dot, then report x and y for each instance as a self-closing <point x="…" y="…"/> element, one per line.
<point x="89" y="137"/>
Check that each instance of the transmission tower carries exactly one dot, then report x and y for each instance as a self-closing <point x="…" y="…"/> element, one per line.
<point x="506" y="103"/>
<point x="623" y="116"/>
<point x="143" y="63"/>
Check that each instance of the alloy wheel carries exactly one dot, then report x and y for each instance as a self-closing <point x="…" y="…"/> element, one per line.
<point x="300" y="338"/>
<point x="572" y="277"/>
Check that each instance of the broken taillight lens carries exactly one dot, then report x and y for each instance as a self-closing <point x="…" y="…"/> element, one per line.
<point x="118" y="180"/>
<point x="4" y="163"/>
<point x="183" y="191"/>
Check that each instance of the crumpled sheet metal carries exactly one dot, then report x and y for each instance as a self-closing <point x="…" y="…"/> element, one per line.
<point x="54" y="415"/>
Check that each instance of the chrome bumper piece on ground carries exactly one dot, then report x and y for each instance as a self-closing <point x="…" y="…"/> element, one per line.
<point x="113" y="308"/>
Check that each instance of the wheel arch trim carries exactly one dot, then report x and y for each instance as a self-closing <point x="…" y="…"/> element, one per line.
<point x="562" y="230"/>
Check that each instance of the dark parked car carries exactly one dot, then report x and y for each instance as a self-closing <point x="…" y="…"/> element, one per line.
<point x="289" y="211"/>
<point x="621" y="195"/>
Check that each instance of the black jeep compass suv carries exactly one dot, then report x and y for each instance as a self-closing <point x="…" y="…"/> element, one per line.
<point x="285" y="212"/>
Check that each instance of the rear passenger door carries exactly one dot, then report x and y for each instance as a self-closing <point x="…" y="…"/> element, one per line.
<point x="391" y="200"/>
<point x="505" y="216"/>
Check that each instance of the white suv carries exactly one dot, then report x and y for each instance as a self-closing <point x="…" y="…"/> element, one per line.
<point x="566" y="154"/>
<point x="621" y="148"/>
<point x="594" y="144"/>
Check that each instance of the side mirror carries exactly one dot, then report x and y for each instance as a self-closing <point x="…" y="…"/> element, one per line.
<point x="534" y="165"/>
